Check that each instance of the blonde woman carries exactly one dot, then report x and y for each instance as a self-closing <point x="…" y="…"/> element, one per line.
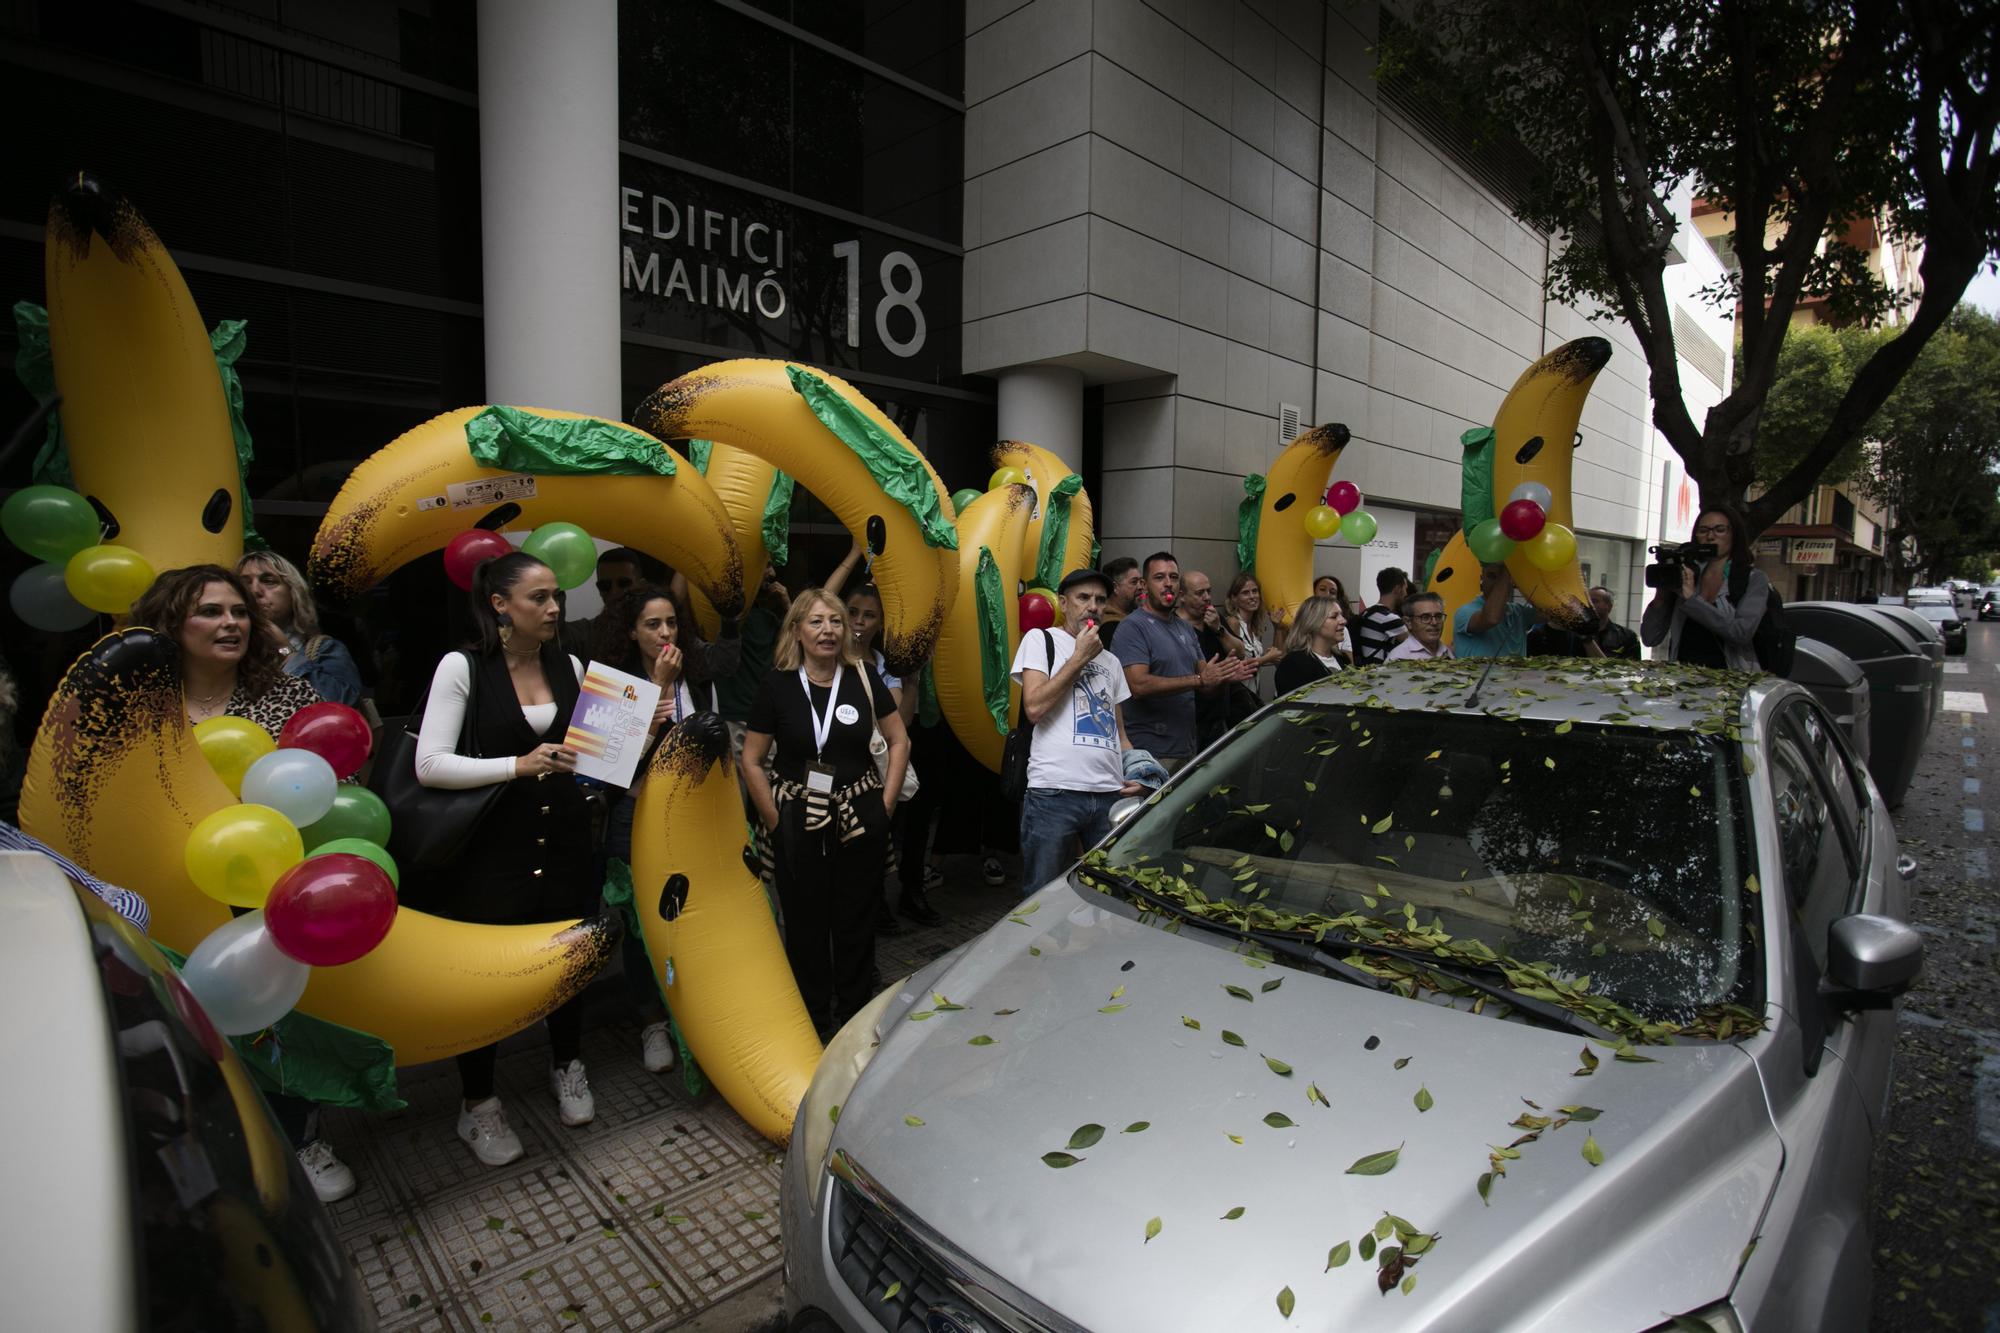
<point x="281" y="594"/>
<point x="1312" y="649"/>
<point x="824" y="807"/>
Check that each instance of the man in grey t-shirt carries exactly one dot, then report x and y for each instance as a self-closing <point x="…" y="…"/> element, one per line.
<point x="1164" y="666"/>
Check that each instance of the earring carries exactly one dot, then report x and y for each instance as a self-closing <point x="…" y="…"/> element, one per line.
<point x="506" y="628"/>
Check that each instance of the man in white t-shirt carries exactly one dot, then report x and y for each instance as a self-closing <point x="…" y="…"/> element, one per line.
<point x="1071" y="686"/>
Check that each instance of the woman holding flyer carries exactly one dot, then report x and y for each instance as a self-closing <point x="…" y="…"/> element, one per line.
<point x="530" y="858"/>
<point x="644" y="633"/>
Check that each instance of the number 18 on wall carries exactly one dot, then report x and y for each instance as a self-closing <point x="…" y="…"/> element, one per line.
<point x="902" y="284"/>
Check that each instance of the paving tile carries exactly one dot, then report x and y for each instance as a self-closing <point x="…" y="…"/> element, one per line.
<point x="660" y="1158"/>
<point x="603" y="1282"/>
<point x="425" y="1160"/>
<point x="509" y="1221"/>
<point x="393" y="1270"/>
<point x="726" y="1235"/>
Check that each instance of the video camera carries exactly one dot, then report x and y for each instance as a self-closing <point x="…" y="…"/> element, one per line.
<point x="1669" y="561"/>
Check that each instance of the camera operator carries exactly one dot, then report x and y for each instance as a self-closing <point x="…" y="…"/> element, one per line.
<point x="1711" y="618"/>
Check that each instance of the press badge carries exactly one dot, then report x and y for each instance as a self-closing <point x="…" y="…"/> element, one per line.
<point x="819" y="777"/>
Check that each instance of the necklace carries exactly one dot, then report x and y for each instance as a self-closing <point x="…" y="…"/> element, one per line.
<point x="814" y="678"/>
<point x="522" y="657"/>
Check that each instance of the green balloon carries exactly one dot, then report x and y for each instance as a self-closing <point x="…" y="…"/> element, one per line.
<point x="356" y="813"/>
<point x="362" y="848"/>
<point x="50" y="523"/>
<point x="960" y="499"/>
<point x="1489" y="543"/>
<point x="1358" y="527"/>
<point x="566" y="549"/>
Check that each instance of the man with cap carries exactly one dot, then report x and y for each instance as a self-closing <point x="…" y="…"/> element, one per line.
<point x="1071" y="686"/>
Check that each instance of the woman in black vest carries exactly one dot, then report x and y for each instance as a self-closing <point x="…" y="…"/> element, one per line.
<point x="530" y="859"/>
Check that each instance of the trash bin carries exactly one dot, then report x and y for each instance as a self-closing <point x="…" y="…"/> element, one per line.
<point x="1837" y="683"/>
<point x="1899" y="673"/>
<point x="1931" y="639"/>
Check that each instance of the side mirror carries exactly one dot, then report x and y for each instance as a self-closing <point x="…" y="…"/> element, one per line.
<point x="1870" y="960"/>
<point x="1125" y="809"/>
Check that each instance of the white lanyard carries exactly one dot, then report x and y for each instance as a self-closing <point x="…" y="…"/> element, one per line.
<point x="822" y="725"/>
<point x="683" y="701"/>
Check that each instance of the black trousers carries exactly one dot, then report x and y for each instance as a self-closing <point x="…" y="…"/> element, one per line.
<point x="829" y="891"/>
<point x="475" y="1068"/>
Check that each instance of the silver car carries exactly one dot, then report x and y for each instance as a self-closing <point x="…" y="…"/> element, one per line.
<point x="1449" y="996"/>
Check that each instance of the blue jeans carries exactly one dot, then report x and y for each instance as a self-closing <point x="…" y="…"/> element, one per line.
<point x="1049" y="815"/>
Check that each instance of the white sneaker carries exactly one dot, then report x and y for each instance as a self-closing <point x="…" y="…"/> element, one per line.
<point x="572" y="1093"/>
<point x="992" y="871"/>
<point x="330" y="1178"/>
<point x="656" y="1046"/>
<point x="484" y="1127"/>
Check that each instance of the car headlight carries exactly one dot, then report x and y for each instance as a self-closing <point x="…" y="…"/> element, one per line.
<point x="1718" y="1317"/>
<point x="839" y="1068"/>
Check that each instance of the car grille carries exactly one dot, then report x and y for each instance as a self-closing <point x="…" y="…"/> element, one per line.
<point x="872" y="1257"/>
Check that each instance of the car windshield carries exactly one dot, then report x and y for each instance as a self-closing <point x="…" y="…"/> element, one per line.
<point x="1596" y="859"/>
<point x="1935" y="611"/>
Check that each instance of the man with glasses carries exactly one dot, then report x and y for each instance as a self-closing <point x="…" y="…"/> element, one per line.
<point x="1423" y="612"/>
<point x="619" y="569"/>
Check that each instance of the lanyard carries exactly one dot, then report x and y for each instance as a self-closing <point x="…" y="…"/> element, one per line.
<point x="822" y="725"/>
<point x="683" y="701"/>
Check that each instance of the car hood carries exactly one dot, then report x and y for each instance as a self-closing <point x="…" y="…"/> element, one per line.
<point x="1088" y="1014"/>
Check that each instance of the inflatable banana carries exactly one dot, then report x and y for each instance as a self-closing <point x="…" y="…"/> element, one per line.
<point x="1294" y="485"/>
<point x="116" y="782"/>
<point x="1534" y="439"/>
<point x="992" y="535"/>
<point x="710" y="933"/>
<point x="845" y="451"/>
<point x="143" y="410"/>
<point x="1045" y="473"/>
<point x="743" y="482"/>
<point x="416" y="493"/>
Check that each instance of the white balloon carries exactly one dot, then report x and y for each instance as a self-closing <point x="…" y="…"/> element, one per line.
<point x="298" y="784"/>
<point x="1532" y="490"/>
<point x="41" y="598"/>
<point x="243" y="980"/>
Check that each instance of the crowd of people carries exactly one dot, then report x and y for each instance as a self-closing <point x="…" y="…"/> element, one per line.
<point x="846" y="773"/>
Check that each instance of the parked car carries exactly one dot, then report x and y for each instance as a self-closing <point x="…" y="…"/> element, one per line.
<point x="1989" y="603"/>
<point x="1946" y="618"/>
<point x="1272" y="1056"/>
<point x="151" y="1187"/>
<point x="1917" y="595"/>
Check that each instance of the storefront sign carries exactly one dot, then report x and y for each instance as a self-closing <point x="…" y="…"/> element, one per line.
<point x="1811" y="550"/>
<point x="1395" y="544"/>
<point x="1774" y="547"/>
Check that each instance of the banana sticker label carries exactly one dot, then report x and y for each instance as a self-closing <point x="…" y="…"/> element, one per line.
<point x="482" y="493"/>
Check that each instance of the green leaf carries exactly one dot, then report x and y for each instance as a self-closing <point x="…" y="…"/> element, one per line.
<point x="1230" y="1038"/>
<point x="1086" y="1136"/>
<point x="1059" y="1160"/>
<point x="676" y="1220"/>
<point x="496" y="1224"/>
<point x="833" y="1114"/>
<point x="1589" y="1063"/>
<point x="894" y="1287"/>
<point x="1486" y="1188"/>
<point x="1285" y="1302"/>
<point x="1278" y="1067"/>
<point x="1367" y="1247"/>
<point x="1279" y="1120"/>
<point x="1581" y="1114"/>
<point x="1751" y="885"/>
<point x="752" y="1215"/>
<point x="1409" y="1283"/>
<point x="1152" y="1230"/>
<point x="1112" y="1008"/>
<point x="659" y="1210"/>
<point x="1384" y="824"/>
<point x="1405" y="1060"/>
<point x="1384" y="1228"/>
<point x="1336" y="1256"/>
<point x="1656" y="928"/>
<point x="947" y="1007"/>
<point x="1563" y="728"/>
<point x="1115" y="994"/>
<point x="1002" y="1013"/>
<point x="1285" y="841"/>
<point x="1271" y="985"/>
<point x="1033" y="952"/>
<point x="1239" y="992"/>
<point x="1032" y="907"/>
<point x="914" y="1122"/>
<point x="1313" y="1094"/>
<point x="1423" y="1098"/>
<point x="1187" y="1022"/>
<point x="1591" y="1152"/>
<point x="1236" y="1139"/>
<point x="1137" y="1127"/>
<point x="1232" y="1214"/>
<point x="981" y="1040"/>
<point x="1376" y="1163"/>
<point x="921" y="1014"/>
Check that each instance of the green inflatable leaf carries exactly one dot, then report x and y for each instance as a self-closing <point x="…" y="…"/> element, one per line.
<point x="1475" y="483"/>
<point x="895" y="467"/>
<point x="698" y="452"/>
<point x="1249" y="512"/>
<point x="1055" y="531"/>
<point x="517" y="441"/>
<point x="991" y="608"/>
<point x="778" y="520"/>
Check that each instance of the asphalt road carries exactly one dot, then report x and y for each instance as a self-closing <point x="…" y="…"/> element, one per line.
<point x="1936" y="1226"/>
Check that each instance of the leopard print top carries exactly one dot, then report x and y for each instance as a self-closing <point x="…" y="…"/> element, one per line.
<point x="275" y="708"/>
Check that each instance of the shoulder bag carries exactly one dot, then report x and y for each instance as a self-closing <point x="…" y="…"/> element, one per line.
<point x="1021" y="739"/>
<point x="878" y="749"/>
<point x="430" y="826"/>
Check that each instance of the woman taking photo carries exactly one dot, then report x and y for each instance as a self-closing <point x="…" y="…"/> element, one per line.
<point x="643" y="632"/>
<point x="228" y="663"/>
<point x="826" y="810"/>
<point x="530" y="859"/>
<point x="1711" y="618"/>
<point x="1313" y="647"/>
<point x="281" y="594"/>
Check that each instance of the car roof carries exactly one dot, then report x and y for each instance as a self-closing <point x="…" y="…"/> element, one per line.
<point x="1664" y="696"/>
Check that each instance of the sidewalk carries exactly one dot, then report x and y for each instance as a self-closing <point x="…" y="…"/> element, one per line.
<point x="662" y="1208"/>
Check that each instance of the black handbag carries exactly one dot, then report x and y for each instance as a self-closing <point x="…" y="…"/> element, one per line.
<point x="1021" y="737"/>
<point x="430" y="826"/>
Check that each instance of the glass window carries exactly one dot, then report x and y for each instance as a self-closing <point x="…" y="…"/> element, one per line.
<point x="1819" y="874"/>
<point x="1823" y="744"/>
<point x="1477" y="824"/>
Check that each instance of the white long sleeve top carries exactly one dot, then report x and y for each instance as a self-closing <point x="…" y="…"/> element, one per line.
<point x="439" y="764"/>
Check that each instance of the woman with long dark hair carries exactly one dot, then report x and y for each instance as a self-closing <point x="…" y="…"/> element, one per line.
<point x="530" y="859"/>
<point x="1711" y="618"/>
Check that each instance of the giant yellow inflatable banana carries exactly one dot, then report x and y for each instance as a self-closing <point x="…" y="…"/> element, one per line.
<point x="845" y="451"/>
<point x="420" y="490"/>
<point x="710" y="934"/>
<point x="116" y="782"/>
<point x="1294" y="485"/>
<point x="1534" y="439"/>
<point x="743" y="482"/>
<point x="143" y="411"/>
<point x="992" y="536"/>
<point x="1046" y="472"/>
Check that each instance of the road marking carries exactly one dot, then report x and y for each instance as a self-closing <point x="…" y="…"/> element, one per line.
<point x="1957" y="669"/>
<point x="1964" y="701"/>
<point x="1972" y="786"/>
<point x="1975" y="821"/>
<point x="1976" y="865"/>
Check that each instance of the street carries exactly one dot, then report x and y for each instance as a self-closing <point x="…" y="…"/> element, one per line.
<point x="1936" y="1227"/>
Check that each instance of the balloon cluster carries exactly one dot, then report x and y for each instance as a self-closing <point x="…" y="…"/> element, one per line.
<point x="303" y="850"/>
<point x="1341" y="513"/>
<point x="80" y="575"/>
<point x="1523" y="524"/>
<point x="563" y="547"/>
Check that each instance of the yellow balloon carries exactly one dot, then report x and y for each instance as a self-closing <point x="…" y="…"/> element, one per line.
<point x="107" y="578"/>
<point x="1006" y="476"/>
<point x="1551" y="548"/>
<point x="1322" y="522"/>
<point x="231" y="745"/>
<point x="236" y="854"/>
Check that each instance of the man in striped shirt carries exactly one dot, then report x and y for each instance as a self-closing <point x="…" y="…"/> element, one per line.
<point x="1381" y="625"/>
<point x="122" y="901"/>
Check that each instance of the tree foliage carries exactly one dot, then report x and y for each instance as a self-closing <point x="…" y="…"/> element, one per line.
<point x="1807" y="119"/>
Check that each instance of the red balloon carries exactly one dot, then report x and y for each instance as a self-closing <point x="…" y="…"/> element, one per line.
<point x="334" y="732"/>
<point x="1036" y="612"/>
<point x="1343" y="497"/>
<point x="463" y="553"/>
<point x="330" y="909"/>
<point x="1522" y="519"/>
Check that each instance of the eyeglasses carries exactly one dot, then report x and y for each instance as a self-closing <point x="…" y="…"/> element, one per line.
<point x="1429" y="618"/>
<point x="1713" y="530"/>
